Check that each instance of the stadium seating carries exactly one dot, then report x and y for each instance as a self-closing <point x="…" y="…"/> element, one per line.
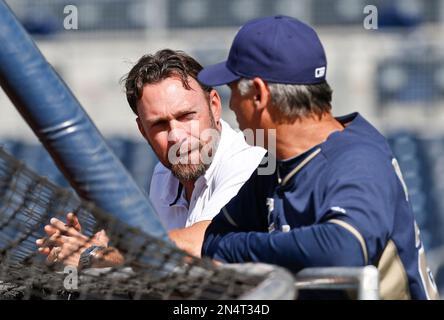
<point x="137" y="14"/>
<point x="136" y="156"/>
<point x="422" y="163"/>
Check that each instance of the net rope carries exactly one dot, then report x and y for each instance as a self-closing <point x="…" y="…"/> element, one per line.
<point x="153" y="269"/>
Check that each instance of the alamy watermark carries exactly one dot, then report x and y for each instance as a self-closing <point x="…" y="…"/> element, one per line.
<point x="71" y="20"/>
<point x="371" y="19"/>
<point x="71" y="281"/>
<point x="195" y="147"/>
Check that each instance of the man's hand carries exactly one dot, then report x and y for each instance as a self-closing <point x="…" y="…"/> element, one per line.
<point x="65" y="242"/>
<point x="190" y="239"/>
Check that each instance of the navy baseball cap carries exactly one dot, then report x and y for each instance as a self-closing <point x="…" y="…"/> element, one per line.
<point x="278" y="49"/>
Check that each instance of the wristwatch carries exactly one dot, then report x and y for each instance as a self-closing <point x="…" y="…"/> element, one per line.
<point x="86" y="257"/>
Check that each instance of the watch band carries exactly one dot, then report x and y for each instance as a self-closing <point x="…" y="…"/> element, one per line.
<point x="86" y="257"/>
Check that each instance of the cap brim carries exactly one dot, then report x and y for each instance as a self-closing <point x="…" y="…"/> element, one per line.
<point x="217" y="75"/>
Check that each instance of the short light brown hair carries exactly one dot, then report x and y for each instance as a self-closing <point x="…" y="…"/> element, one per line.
<point x="157" y="67"/>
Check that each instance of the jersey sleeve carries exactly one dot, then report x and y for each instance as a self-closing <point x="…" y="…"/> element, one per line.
<point x="353" y="221"/>
<point x="362" y="199"/>
<point x="243" y="212"/>
<point x="317" y="245"/>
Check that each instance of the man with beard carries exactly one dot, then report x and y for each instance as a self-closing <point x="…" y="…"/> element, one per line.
<point x="181" y="121"/>
<point x="203" y="161"/>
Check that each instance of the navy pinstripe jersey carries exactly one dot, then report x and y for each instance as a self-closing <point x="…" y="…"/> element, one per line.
<point x="341" y="203"/>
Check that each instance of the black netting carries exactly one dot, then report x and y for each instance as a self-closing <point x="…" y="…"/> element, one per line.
<point x="153" y="269"/>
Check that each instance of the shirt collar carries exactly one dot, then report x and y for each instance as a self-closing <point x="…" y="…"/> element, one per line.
<point x="170" y="189"/>
<point x="179" y="193"/>
<point x="287" y="165"/>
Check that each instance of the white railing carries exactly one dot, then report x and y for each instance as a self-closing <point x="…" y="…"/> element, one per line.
<point x="365" y="280"/>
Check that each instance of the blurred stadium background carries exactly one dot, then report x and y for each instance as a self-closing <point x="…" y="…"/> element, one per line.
<point x="394" y="76"/>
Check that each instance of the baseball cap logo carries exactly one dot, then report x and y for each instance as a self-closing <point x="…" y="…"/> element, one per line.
<point x="319" y="72"/>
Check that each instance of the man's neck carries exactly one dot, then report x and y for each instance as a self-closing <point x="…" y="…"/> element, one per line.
<point x="296" y="138"/>
<point x="189" y="187"/>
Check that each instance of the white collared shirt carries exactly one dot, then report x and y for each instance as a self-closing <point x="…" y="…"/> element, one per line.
<point x="232" y="165"/>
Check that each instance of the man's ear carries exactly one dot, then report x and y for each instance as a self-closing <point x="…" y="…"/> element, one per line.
<point x="216" y="105"/>
<point x="141" y="129"/>
<point x="262" y="95"/>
